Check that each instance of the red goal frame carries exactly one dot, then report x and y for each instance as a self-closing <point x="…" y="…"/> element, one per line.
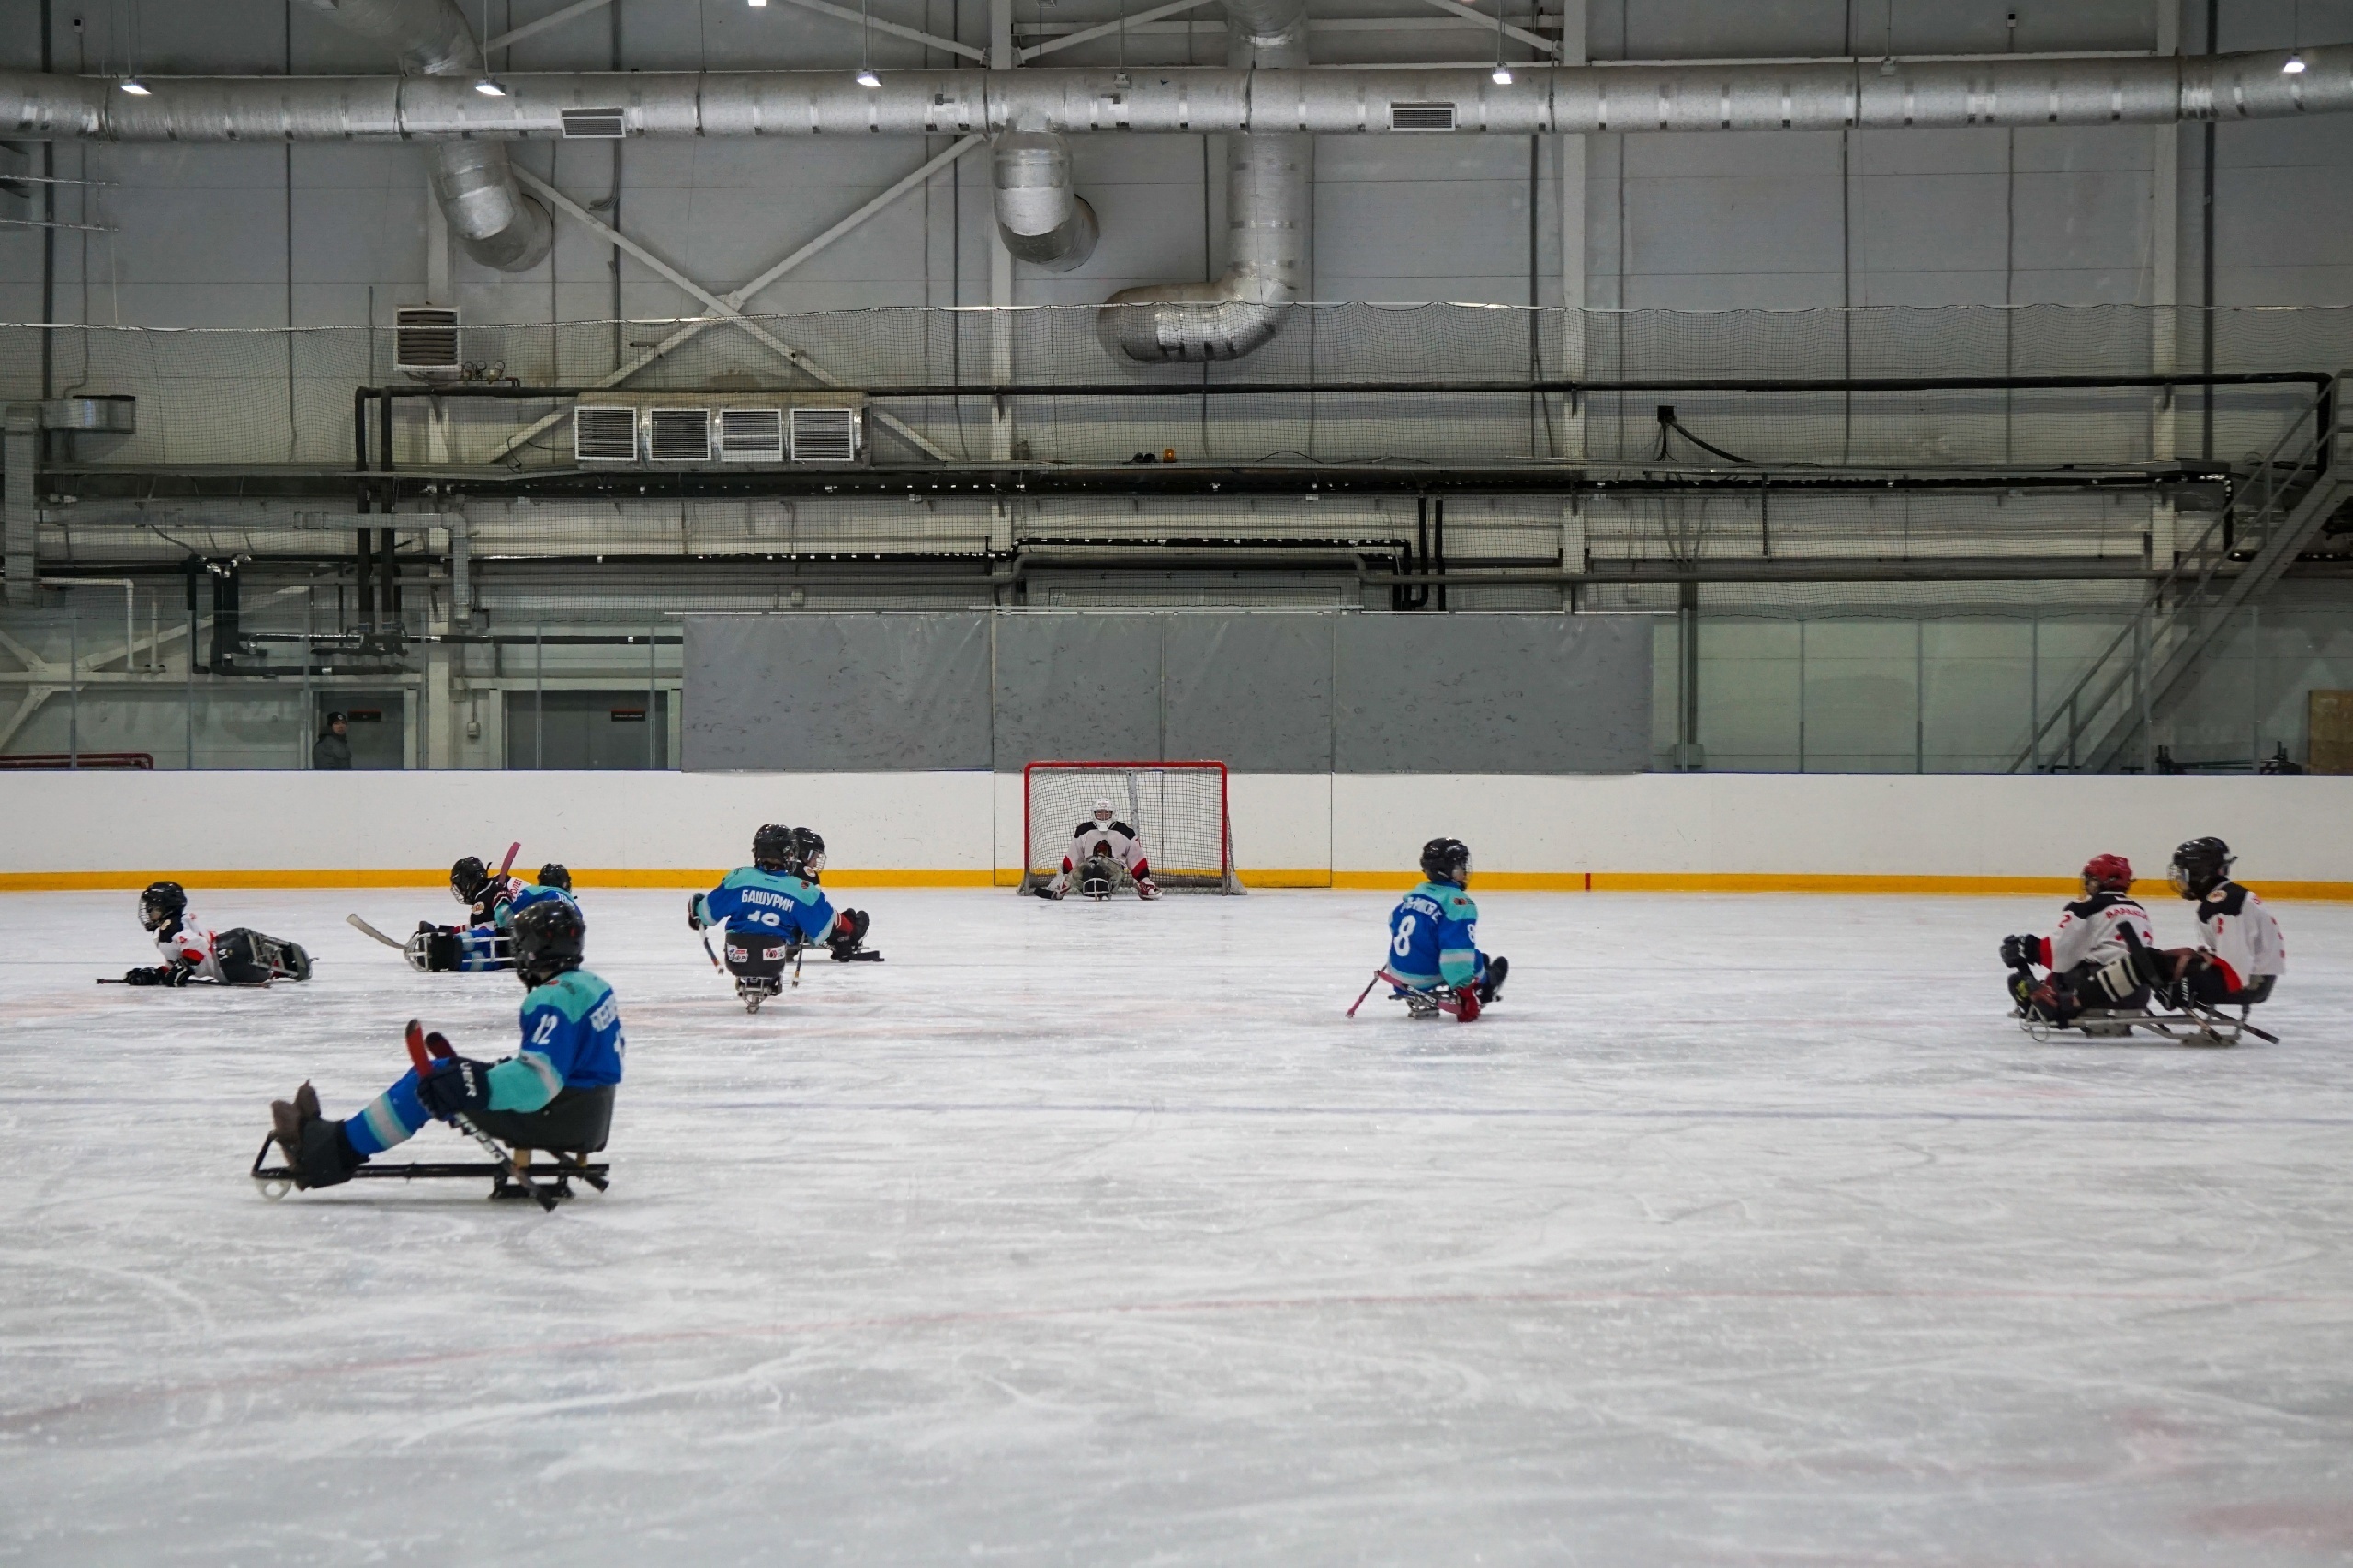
<point x="1224" y="802"/>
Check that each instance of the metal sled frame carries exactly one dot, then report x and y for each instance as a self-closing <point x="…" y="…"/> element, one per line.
<point x="2204" y="1027"/>
<point x="753" y="989"/>
<point x="1419" y="1003"/>
<point x="276" y="1181"/>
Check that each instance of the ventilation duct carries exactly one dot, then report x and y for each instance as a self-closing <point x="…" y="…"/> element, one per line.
<point x="472" y="181"/>
<point x="1041" y="219"/>
<point x="1267" y="210"/>
<point x="2004" y="91"/>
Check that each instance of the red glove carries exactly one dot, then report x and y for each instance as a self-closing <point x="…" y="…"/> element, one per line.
<point x="1466" y="1003"/>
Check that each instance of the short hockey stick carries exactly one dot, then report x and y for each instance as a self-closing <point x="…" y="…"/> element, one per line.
<point x="367" y="930"/>
<point x="1365" y="993"/>
<point x="421" y="1059"/>
<point x="505" y="866"/>
<point x="2213" y="1018"/>
<point x="712" y="956"/>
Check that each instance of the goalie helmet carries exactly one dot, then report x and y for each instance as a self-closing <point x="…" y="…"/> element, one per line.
<point x="161" y="904"/>
<point x="1447" y="860"/>
<point x="808" y="858"/>
<point x="2198" y="865"/>
<point x="1105" y="813"/>
<point x="549" y="938"/>
<point x="468" y="878"/>
<point x="2107" y="873"/>
<point x="553" y="875"/>
<point x="772" y="847"/>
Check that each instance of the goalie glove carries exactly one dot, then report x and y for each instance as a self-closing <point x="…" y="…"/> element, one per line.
<point x="1147" y="888"/>
<point x="1052" y="890"/>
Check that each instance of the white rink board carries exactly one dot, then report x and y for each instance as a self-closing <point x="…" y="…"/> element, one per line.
<point x="1742" y="1230"/>
<point x="950" y="824"/>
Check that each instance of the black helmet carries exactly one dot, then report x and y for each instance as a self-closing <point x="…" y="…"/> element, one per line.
<point x="772" y="847"/>
<point x="548" y="937"/>
<point x="554" y="876"/>
<point x="1447" y="860"/>
<point x="161" y="904"/>
<point x="467" y="879"/>
<point x="808" y="853"/>
<point x="2198" y="865"/>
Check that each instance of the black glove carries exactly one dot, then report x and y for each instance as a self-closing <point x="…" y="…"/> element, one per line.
<point x="694" y="912"/>
<point x="161" y="974"/>
<point x="1047" y="890"/>
<point x="454" y="1086"/>
<point x="848" y="933"/>
<point x="2020" y="951"/>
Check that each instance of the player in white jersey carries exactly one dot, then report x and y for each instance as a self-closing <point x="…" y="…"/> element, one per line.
<point x="2240" y="955"/>
<point x="1100" y="847"/>
<point x="191" y="952"/>
<point x="2089" y="954"/>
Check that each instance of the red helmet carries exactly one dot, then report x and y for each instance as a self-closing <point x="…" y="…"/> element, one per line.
<point x="2107" y="873"/>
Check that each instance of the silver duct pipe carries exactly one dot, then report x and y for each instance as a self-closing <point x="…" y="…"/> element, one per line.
<point x="1268" y="222"/>
<point x="1039" y="216"/>
<point x="473" y="182"/>
<point x="2009" y="91"/>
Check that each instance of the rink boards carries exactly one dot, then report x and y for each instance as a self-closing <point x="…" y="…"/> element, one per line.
<point x="1711" y="833"/>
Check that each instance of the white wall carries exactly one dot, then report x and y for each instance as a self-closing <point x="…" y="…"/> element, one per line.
<point x="1929" y="834"/>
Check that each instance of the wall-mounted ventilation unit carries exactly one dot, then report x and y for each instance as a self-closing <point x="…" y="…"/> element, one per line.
<point x="606" y="124"/>
<point x="679" y="434"/>
<point x="604" y="435"/>
<point x="424" y="341"/>
<point x="825" y="435"/>
<point x="751" y="435"/>
<point x="1421" y="117"/>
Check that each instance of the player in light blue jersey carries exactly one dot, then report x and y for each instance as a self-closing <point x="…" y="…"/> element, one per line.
<point x="774" y="907"/>
<point x="555" y="1092"/>
<point x="1434" y="936"/>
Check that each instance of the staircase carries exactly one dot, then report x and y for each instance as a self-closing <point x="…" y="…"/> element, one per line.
<point x="2280" y="505"/>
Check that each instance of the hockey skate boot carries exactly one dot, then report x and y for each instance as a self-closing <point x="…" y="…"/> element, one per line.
<point x="316" y="1148"/>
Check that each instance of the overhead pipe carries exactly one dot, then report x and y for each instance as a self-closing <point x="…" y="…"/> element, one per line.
<point x="2007" y="91"/>
<point x="472" y="181"/>
<point x="1041" y="216"/>
<point x="1268" y="222"/>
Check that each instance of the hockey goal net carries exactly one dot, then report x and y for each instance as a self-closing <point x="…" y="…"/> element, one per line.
<point x="1177" y="809"/>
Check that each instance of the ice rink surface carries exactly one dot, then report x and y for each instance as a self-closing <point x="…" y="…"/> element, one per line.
<point x="1744" y="1230"/>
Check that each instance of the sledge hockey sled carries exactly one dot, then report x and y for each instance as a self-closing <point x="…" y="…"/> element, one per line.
<point x="756" y="965"/>
<point x="2200" y="1025"/>
<point x="1419" y="1002"/>
<point x="566" y="1131"/>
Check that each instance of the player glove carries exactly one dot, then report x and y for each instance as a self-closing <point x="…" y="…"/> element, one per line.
<point x="456" y="1086"/>
<point x="161" y="974"/>
<point x="694" y="912"/>
<point x="1466" y="1003"/>
<point x="847" y="935"/>
<point x="2020" y="951"/>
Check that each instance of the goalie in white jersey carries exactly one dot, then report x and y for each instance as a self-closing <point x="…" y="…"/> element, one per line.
<point x="1099" y="848"/>
<point x="2240" y="955"/>
<point x="2089" y="954"/>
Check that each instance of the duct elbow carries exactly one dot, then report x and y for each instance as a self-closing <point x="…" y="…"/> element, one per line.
<point x="499" y="226"/>
<point x="1042" y="219"/>
<point x="1162" y="324"/>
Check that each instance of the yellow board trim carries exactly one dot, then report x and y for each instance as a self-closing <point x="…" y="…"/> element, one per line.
<point x="1271" y="878"/>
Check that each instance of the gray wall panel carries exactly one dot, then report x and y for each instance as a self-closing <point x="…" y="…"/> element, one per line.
<point x="1494" y="694"/>
<point x="1252" y="691"/>
<point x="824" y="693"/>
<point x="1077" y="686"/>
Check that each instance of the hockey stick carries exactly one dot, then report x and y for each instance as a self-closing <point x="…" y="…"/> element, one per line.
<point x="2212" y="1020"/>
<point x="712" y="957"/>
<point x="505" y="866"/>
<point x="365" y="929"/>
<point x="1365" y="993"/>
<point x="421" y="1059"/>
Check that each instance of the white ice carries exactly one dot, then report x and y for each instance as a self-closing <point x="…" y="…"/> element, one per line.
<point x="1744" y="1230"/>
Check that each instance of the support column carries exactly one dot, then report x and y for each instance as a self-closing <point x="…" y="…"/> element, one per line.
<point x="1570" y="153"/>
<point x="20" y="506"/>
<point x="1003" y="56"/>
<point x="2165" y="290"/>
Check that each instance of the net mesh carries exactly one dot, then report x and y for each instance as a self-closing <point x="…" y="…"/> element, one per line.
<point x="1177" y="809"/>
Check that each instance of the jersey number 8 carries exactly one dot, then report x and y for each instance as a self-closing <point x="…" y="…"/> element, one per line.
<point x="1403" y="945"/>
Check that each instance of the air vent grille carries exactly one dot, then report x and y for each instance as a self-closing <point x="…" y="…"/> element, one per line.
<point x="679" y="434"/>
<point x="604" y="435"/>
<point x="605" y="123"/>
<point x="1421" y="117"/>
<point x="751" y="435"/>
<point x="425" y="338"/>
<point x="825" y="436"/>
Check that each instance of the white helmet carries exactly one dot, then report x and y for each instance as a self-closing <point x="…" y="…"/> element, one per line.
<point x="1104" y="811"/>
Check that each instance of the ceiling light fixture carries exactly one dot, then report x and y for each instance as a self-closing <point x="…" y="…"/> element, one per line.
<point x="134" y="86"/>
<point x="491" y="88"/>
<point x="1501" y="74"/>
<point x="865" y="76"/>
<point x="2293" y="65"/>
